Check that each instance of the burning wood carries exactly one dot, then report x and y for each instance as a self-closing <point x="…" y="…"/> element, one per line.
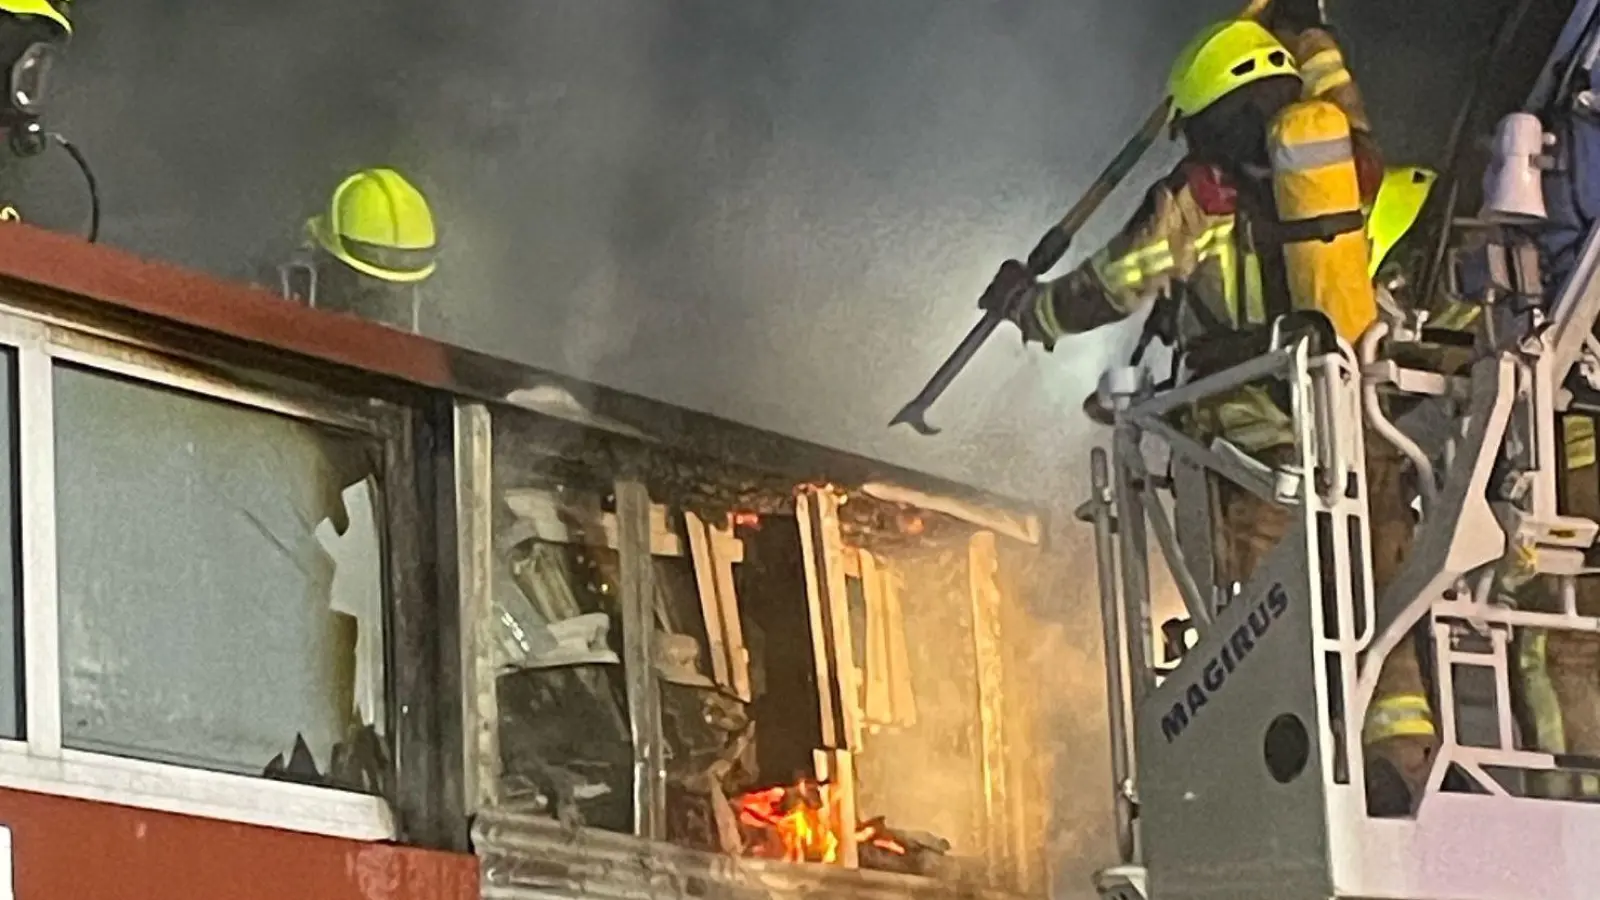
<point x="799" y="822"/>
<point x="795" y="823"/>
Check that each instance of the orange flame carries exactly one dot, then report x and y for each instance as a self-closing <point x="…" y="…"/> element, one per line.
<point x="798" y="821"/>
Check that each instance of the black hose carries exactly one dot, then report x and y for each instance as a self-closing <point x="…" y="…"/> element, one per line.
<point x="88" y="177"/>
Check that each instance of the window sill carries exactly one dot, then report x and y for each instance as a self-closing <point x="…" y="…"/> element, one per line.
<point x="210" y="795"/>
<point x="534" y="858"/>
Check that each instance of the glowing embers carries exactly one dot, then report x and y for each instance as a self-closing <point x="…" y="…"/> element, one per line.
<point x="797" y="823"/>
<point x="800" y="823"/>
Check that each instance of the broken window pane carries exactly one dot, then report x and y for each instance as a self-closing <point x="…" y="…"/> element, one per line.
<point x="221" y="594"/>
<point x="566" y="747"/>
<point x="10" y="569"/>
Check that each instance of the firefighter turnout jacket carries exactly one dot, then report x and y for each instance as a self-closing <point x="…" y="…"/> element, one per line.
<point x="1193" y="240"/>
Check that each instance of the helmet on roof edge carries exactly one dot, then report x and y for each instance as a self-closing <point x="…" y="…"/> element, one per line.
<point x="379" y="224"/>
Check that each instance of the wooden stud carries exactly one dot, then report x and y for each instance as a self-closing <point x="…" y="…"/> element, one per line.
<point x="815" y="600"/>
<point x="847" y="676"/>
<point x="637" y="591"/>
<point x="705" y="578"/>
<point x="475" y="563"/>
<point x="983" y="570"/>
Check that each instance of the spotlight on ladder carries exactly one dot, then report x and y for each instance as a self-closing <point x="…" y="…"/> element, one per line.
<point x="1513" y="193"/>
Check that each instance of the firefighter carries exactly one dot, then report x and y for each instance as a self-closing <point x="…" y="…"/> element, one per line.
<point x="368" y="252"/>
<point x="32" y="34"/>
<point x="1300" y="26"/>
<point x="1558" y="672"/>
<point x="1215" y="233"/>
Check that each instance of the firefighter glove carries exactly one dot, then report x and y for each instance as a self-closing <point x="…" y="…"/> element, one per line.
<point x="1013" y="294"/>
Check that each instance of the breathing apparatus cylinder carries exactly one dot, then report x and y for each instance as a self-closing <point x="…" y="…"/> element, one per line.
<point x="1318" y="195"/>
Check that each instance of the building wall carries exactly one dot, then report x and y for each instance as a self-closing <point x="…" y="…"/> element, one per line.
<point x="66" y="848"/>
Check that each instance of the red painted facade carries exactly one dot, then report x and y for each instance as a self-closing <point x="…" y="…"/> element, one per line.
<point x="77" y="850"/>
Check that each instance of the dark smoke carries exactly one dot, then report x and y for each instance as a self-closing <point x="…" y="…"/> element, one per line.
<point x="777" y="212"/>
<point x="807" y="196"/>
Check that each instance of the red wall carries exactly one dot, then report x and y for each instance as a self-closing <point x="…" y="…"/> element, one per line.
<point x="77" y="850"/>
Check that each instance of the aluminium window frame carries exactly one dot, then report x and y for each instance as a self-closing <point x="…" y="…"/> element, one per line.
<point x="40" y="762"/>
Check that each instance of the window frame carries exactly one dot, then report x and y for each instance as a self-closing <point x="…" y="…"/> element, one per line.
<point x="39" y="762"/>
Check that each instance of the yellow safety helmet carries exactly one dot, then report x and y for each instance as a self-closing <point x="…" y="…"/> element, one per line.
<point x="1396" y="208"/>
<point x="379" y="224"/>
<point x="43" y="8"/>
<point x="1221" y="59"/>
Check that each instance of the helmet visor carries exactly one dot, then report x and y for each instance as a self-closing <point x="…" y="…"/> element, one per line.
<point x="30" y="77"/>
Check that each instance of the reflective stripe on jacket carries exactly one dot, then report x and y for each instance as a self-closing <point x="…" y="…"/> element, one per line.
<point x="1175" y="237"/>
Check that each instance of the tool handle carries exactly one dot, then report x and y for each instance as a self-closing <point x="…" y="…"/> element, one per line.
<point x="915" y="413"/>
<point x="1042" y="259"/>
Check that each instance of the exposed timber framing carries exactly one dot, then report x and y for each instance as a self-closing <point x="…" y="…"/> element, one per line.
<point x="540" y="511"/>
<point x="838" y="768"/>
<point x="715" y="550"/>
<point x="638" y="596"/>
<point x="886" y="694"/>
<point x="475" y="560"/>
<point x="828" y="598"/>
<point x="983" y="567"/>
<point x="804" y="513"/>
<point x="846" y="676"/>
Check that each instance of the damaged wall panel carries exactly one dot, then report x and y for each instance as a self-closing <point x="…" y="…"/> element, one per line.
<point x="899" y="619"/>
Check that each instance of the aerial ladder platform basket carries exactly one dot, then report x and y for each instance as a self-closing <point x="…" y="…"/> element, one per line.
<point x="1237" y="758"/>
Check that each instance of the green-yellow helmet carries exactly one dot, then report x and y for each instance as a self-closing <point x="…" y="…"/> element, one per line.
<point x="1396" y="209"/>
<point x="379" y="224"/>
<point x="42" y="8"/>
<point x="1221" y="59"/>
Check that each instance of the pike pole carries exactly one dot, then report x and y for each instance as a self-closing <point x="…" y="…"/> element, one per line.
<point x="1055" y="242"/>
<point x="1044" y="257"/>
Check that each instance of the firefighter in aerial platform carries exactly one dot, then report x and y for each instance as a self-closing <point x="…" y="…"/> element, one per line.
<point x="369" y="252"/>
<point x="1263" y="216"/>
<point x="32" y="35"/>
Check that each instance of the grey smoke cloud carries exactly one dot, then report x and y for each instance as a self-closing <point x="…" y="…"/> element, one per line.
<point x="776" y="212"/>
